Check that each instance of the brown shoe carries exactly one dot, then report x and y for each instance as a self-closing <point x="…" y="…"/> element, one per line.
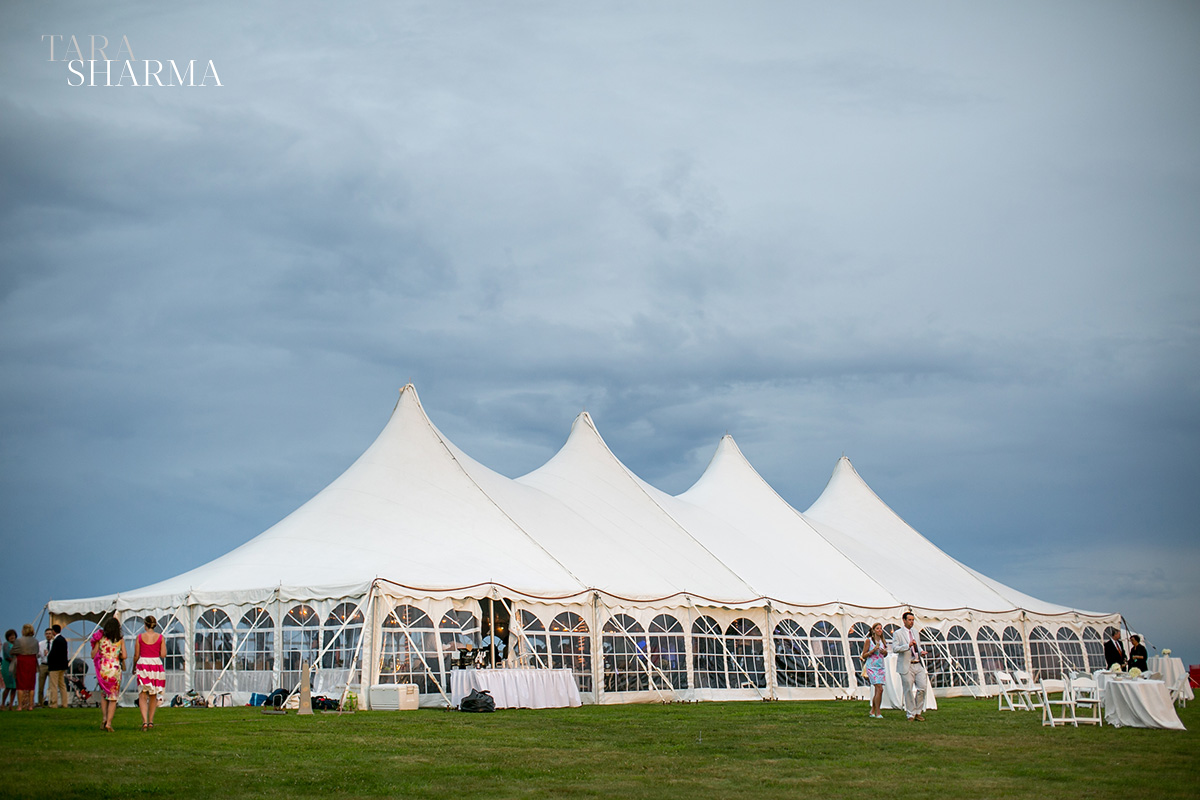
<point x="919" y="718"/>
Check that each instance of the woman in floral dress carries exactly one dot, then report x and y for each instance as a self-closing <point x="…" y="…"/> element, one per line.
<point x="108" y="654"/>
<point x="874" y="656"/>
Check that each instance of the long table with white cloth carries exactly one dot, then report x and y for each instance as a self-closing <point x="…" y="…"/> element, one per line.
<point x="893" y="691"/>
<point x="1172" y="672"/>
<point x="517" y="688"/>
<point x="1137" y="703"/>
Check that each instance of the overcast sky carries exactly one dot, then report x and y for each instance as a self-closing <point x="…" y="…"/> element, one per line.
<point x="957" y="243"/>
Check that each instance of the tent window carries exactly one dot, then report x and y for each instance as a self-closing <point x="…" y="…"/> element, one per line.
<point x="747" y="667"/>
<point x="937" y="663"/>
<point x="708" y="654"/>
<point x="625" y="649"/>
<point x="961" y="650"/>
<point x="570" y="646"/>
<point x="409" y="644"/>
<point x="340" y="648"/>
<point x="826" y="643"/>
<point x="255" y="651"/>
<point x="1014" y="649"/>
<point x="857" y="637"/>
<point x="531" y="649"/>
<point x="794" y="665"/>
<point x="175" y="649"/>
<point x="1093" y="646"/>
<point x="991" y="654"/>
<point x="458" y="630"/>
<point x="1071" y="650"/>
<point x="214" y="648"/>
<point x="667" y="652"/>
<point x="1044" y="654"/>
<point x="131" y="627"/>
<point x="301" y="643"/>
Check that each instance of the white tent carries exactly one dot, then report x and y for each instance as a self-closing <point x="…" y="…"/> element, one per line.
<point x="724" y="591"/>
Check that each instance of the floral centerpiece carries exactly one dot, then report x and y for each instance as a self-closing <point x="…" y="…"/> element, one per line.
<point x="1114" y="668"/>
<point x="1135" y="672"/>
<point x="1166" y="652"/>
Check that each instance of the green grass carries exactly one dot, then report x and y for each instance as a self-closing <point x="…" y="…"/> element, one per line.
<point x="967" y="749"/>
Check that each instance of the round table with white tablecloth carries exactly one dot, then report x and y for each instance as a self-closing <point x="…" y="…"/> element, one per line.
<point x="1172" y="671"/>
<point x="1139" y="703"/>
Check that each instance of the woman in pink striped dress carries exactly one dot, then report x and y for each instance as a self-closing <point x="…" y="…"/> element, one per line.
<point x="151" y="677"/>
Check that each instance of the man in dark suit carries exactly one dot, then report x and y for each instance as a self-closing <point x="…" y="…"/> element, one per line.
<point x="1114" y="651"/>
<point x="56" y="660"/>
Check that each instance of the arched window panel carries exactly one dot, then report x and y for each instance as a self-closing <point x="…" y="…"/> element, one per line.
<point x="991" y="653"/>
<point x="794" y="664"/>
<point x="531" y="645"/>
<point x="341" y="635"/>
<point x="570" y="647"/>
<point x="255" y="660"/>
<point x="668" y="653"/>
<point x="859" y="632"/>
<point x="708" y="654"/>
<point x="1044" y="655"/>
<point x="826" y="643"/>
<point x="744" y="644"/>
<point x="1014" y="649"/>
<point x="1093" y="648"/>
<point x="301" y="631"/>
<point x="1071" y="650"/>
<point x="459" y="630"/>
<point x="213" y="651"/>
<point x="174" y="653"/>
<point x="625" y="651"/>
<point x="937" y="660"/>
<point x="408" y="650"/>
<point x="131" y="628"/>
<point x="960" y="649"/>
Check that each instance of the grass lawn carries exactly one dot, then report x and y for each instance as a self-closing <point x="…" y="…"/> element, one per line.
<point x="967" y="749"/>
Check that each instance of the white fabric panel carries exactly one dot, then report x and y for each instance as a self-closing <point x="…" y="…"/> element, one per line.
<point x="737" y="516"/>
<point x="855" y="521"/>
<point x="517" y="688"/>
<point x="612" y="533"/>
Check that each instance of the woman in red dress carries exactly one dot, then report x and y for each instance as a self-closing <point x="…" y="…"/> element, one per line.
<point x="25" y="652"/>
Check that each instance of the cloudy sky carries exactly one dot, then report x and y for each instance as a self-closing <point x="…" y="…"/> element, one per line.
<point x="957" y="243"/>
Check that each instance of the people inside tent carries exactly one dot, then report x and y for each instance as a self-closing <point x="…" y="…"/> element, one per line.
<point x="1114" y="650"/>
<point x="1137" y="653"/>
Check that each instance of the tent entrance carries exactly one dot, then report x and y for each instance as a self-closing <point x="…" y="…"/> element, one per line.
<point x="494" y="627"/>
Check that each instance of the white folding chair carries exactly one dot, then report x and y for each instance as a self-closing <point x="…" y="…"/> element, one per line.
<point x="1179" y="691"/>
<point x="1009" y="698"/>
<point x="1085" y="694"/>
<point x="1027" y="689"/>
<point x="1048" y="705"/>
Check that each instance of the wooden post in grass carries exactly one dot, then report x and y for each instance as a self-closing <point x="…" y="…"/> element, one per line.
<point x="305" y="690"/>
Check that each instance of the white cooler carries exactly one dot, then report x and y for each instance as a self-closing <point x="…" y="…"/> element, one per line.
<point x="394" y="697"/>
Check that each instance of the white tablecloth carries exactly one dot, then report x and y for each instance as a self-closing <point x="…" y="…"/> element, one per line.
<point x="1139" y="704"/>
<point x="1171" y="670"/>
<point x="517" y="688"/>
<point x="893" y="692"/>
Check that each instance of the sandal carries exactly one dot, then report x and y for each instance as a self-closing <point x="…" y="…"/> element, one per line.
<point x="145" y="726"/>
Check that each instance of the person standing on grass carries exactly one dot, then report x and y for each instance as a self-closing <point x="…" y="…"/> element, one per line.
<point x="906" y="644"/>
<point x="1114" y="651"/>
<point x="108" y="654"/>
<point x="874" y="658"/>
<point x="7" y="662"/>
<point x="25" y="666"/>
<point x="56" y="662"/>
<point x="148" y="665"/>
<point x="43" y="667"/>
<point x="1138" y="657"/>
